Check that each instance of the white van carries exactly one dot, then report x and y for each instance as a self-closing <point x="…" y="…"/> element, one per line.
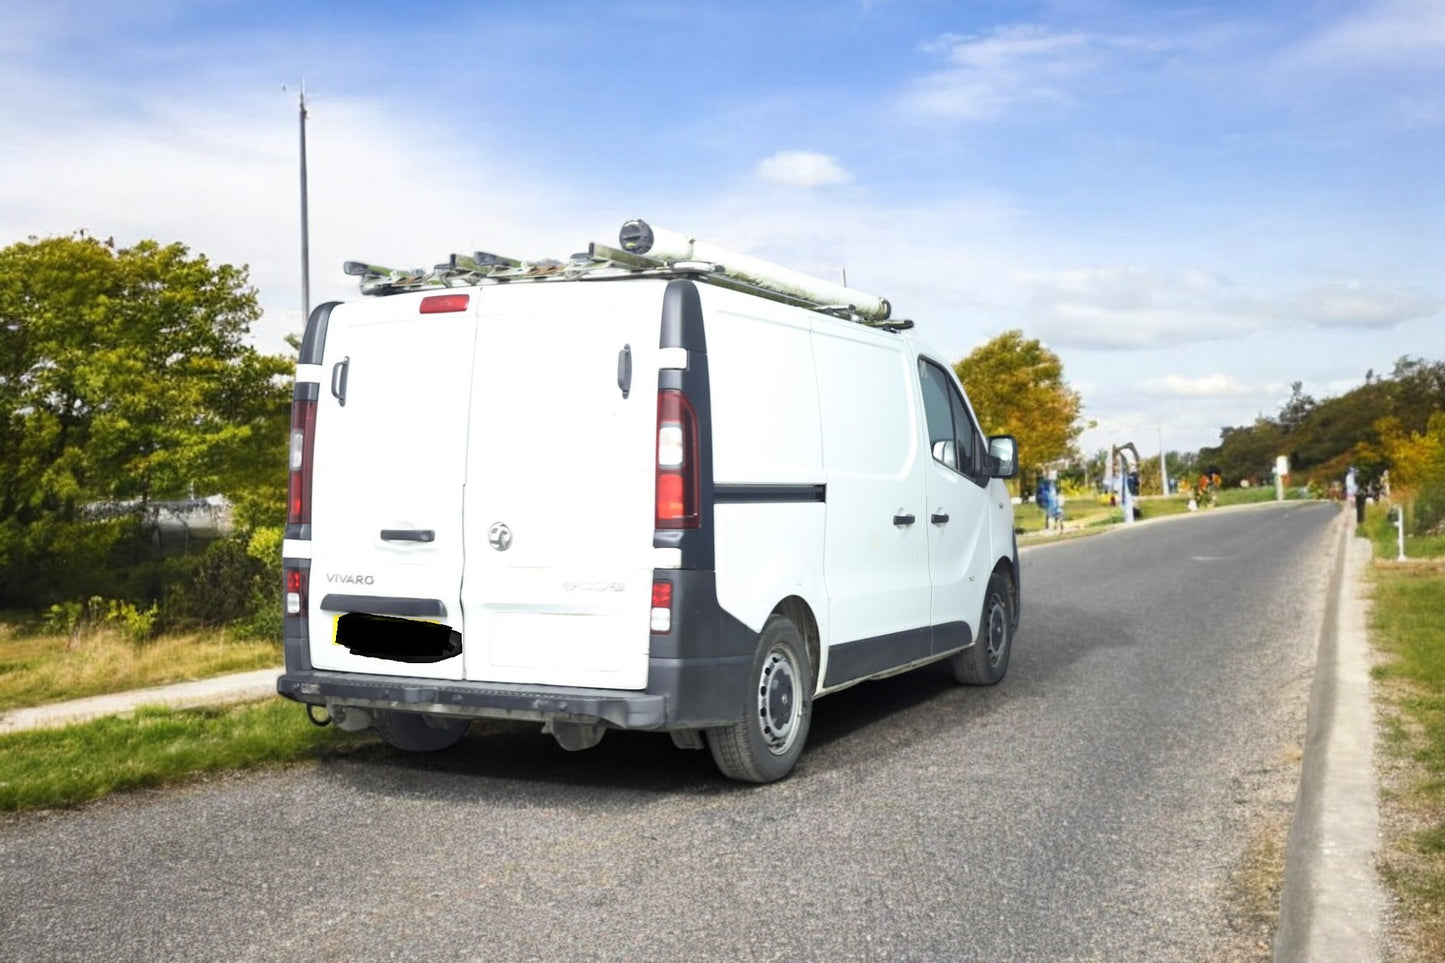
<point x="660" y="487"/>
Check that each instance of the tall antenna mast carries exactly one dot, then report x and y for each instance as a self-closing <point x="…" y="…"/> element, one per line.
<point x="305" y="227"/>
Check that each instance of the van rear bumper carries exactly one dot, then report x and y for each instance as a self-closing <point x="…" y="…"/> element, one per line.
<point x="683" y="694"/>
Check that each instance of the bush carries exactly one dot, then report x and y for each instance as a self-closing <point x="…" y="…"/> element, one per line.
<point x="265" y="620"/>
<point x="1427" y="512"/>
<point x="76" y="618"/>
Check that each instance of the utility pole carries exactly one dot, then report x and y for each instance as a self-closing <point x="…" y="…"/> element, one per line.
<point x="305" y="226"/>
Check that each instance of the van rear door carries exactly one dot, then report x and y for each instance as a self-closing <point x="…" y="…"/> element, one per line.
<point x="390" y="462"/>
<point x="560" y="484"/>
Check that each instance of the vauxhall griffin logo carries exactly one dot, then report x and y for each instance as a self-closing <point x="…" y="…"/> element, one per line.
<point x="500" y="536"/>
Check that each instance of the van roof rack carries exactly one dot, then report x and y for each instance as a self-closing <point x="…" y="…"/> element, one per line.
<point x="643" y="251"/>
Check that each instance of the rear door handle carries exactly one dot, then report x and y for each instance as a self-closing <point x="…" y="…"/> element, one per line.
<point x="904" y="520"/>
<point x="339" y="372"/>
<point x="408" y="535"/>
<point x="624" y="371"/>
<point x="939" y="518"/>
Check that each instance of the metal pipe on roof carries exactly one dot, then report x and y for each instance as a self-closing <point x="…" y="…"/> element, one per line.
<point x="639" y="237"/>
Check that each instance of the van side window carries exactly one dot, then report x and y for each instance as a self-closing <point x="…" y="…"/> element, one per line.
<point x="938" y="412"/>
<point x="953" y="438"/>
<point x="971" y="449"/>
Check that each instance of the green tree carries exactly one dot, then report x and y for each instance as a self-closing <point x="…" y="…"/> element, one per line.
<point x="1017" y="388"/>
<point x="1323" y="438"/>
<point x="124" y="376"/>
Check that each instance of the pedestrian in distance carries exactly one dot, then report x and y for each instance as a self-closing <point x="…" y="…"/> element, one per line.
<point x="1355" y="495"/>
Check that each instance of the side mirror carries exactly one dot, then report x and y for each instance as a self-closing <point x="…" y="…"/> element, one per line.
<point x="1003" y="454"/>
<point x="945" y="453"/>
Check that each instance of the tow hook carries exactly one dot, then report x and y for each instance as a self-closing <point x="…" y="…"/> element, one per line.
<point x="350" y="718"/>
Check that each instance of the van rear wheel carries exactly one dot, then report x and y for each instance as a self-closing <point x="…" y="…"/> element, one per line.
<point x="765" y="744"/>
<point x="986" y="661"/>
<point x="418" y="732"/>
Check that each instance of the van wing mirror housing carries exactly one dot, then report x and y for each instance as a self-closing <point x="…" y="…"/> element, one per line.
<point x="1003" y="454"/>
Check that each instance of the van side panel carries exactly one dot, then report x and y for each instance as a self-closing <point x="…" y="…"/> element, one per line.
<point x="769" y="493"/>
<point x="876" y="570"/>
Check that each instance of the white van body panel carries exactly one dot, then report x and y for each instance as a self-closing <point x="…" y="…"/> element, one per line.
<point x="556" y="454"/>
<point x="876" y="571"/>
<point x="960" y="556"/>
<point x="765" y="417"/>
<point x="400" y="449"/>
<point x="765" y="432"/>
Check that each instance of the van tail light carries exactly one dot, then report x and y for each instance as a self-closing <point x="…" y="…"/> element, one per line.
<point x="677" y="469"/>
<point x="661" y="607"/>
<point x="303" y="441"/>
<point x="296" y="586"/>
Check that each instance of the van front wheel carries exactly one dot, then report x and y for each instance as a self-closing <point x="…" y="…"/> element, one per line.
<point x="986" y="661"/>
<point x="765" y="744"/>
<point x="415" y="732"/>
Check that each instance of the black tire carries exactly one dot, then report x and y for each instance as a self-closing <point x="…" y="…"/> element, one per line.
<point x="416" y="732"/>
<point x="986" y="661"/>
<point x="778" y="706"/>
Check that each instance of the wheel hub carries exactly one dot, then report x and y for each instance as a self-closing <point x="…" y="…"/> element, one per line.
<point x="997" y="631"/>
<point x="777" y="702"/>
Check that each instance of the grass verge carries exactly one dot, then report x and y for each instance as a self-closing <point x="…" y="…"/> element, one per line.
<point x="1407" y="621"/>
<point x="52" y="768"/>
<point x="35" y="670"/>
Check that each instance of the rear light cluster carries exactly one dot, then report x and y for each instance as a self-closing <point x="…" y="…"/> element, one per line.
<point x="303" y="442"/>
<point x="661" y="607"/>
<point x="296" y="579"/>
<point x="677" y="468"/>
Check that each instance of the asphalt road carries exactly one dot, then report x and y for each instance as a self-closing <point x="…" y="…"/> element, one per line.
<point x="1099" y="804"/>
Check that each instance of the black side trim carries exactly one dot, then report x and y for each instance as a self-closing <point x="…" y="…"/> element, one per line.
<point x="384" y="605"/>
<point x="770" y="493"/>
<point x="852" y="661"/>
<point x="313" y="342"/>
<point x="951" y="636"/>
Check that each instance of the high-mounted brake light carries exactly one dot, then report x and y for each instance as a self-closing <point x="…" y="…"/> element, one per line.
<point x="445" y="303"/>
<point x="303" y="441"/>
<point x="677" y="468"/>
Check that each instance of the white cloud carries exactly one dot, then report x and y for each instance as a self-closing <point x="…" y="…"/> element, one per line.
<point x="1360" y="306"/>
<point x="1390" y="34"/>
<point x="1131" y="308"/>
<point x="1205" y="386"/>
<point x="1127" y="308"/>
<point x="987" y="74"/>
<point x="802" y="168"/>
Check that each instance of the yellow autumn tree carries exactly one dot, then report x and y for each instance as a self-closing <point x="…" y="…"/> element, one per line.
<point x="1017" y="388"/>
<point x="1417" y="459"/>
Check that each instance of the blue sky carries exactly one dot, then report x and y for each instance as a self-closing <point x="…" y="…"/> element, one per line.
<point x="1193" y="204"/>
